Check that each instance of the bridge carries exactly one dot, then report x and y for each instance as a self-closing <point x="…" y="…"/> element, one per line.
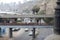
<point x="26" y="16"/>
<point x="27" y="25"/>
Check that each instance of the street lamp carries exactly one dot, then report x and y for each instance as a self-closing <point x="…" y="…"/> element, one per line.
<point x="57" y="18"/>
<point x="10" y="33"/>
<point x="56" y="35"/>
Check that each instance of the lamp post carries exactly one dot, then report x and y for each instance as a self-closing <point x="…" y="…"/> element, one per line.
<point x="56" y="35"/>
<point x="10" y="32"/>
<point x="57" y="18"/>
<point x="34" y="32"/>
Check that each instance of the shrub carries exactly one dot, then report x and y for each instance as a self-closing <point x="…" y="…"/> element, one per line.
<point x="48" y="20"/>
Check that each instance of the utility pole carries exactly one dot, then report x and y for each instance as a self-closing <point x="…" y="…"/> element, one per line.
<point x="56" y="35"/>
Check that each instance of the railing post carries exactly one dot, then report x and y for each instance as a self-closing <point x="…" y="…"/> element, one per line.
<point x="0" y="33"/>
<point x="10" y="33"/>
<point x="33" y="32"/>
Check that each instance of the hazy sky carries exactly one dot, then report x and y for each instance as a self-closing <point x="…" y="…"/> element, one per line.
<point x="9" y="1"/>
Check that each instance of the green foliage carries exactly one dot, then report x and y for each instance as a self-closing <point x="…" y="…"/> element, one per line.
<point x="19" y="20"/>
<point x="41" y="12"/>
<point x="52" y="22"/>
<point x="35" y="8"/>
<point x="48" y="20"/>
<point x="26" y="10"/>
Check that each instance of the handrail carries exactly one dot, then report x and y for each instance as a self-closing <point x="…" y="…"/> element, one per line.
<point x="42" y="24"/>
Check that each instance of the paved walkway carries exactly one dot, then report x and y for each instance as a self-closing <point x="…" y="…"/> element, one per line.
<point x="15" y="34"/>
<point x="4" y="38"/>
<point x="42" y="35"/>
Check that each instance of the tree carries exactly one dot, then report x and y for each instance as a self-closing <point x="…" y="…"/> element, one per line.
<point x="26" y="10"/>
<point x="41" y="12"/>
<point x="48" y="20"/>
<point x="35" y="9"/>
